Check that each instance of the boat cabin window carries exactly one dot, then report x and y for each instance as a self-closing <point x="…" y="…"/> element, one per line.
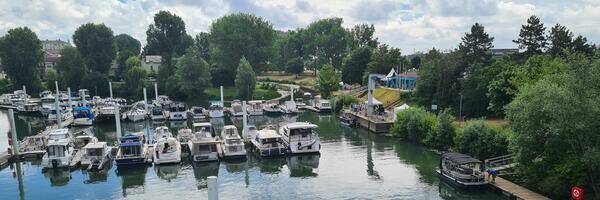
<point x="131" y="150"/>
<point x="324" y="104"/>
<point x="303" y="132"/>
<point x="230" y="132"/>
<point x="94" y="152"/>
<point x="234" y="141"/>
<point x="56" y="151"/>
<point x="270" y="141"/>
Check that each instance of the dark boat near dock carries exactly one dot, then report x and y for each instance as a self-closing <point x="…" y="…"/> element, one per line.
<point x="461" y="170"/>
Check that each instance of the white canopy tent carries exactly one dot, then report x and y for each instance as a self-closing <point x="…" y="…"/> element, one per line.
<point x="375" y="102"/>
<point x="391" y="74"/>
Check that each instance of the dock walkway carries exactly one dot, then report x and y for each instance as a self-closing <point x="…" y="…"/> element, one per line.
<point x="514" y="190"/>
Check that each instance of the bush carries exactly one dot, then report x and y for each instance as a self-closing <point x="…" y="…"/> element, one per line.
<point x="6" y="86"/>
<point x="442" y="133"/>
<point x="481" y="140"/>
<point x="413" y="124"/>
<point x="342" y="101"/>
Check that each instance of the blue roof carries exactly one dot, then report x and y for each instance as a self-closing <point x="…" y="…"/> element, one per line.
<point x="82" y="108"/>
<point x="130" y="144"/>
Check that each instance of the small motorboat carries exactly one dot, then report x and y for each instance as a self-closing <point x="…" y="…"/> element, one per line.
<point x="96" y="155"/>
<point x="184" y="135"/>
<point x="167" y="148"/>
<point x="158" y="114"/>
<point x="83" y="116"/>
<point x="272" y="109"/>
<point x="267" y="143"/>
<point x="461" y="170"/>
<point x="132" y="150"/>
<point x="233" y="146"/>
<point x="300" y="137"/>
<point x="177" y="111"/>
<point x="197" y="113"/>
<point x="204" y="146"/>
<point x="59" y="150"/>
<point x="347" y="120"/>
<point x="216" y="109"/>
<point x="255" y="108"/>
<point x="236" y="109"/>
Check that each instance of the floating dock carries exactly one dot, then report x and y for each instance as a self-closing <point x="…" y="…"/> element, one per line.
<point x="515" y="191"/>
<point x="373" y="124"/>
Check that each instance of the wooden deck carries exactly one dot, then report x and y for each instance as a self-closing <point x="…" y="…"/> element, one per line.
<point x="513" y="190"/>
<point x="373" y="124"/>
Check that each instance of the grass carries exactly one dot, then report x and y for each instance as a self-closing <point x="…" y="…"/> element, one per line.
<point x="306" y="80"/>
<point x="385" y="96"/>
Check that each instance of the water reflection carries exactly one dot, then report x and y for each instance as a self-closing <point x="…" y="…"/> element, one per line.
<point x="202" y="171"/>
<point x="58" y="177"/>
<point x="304" y="165"/>
<point x="98" y="176"/>
<point x="167" y="172"/>
<point x="132" y="179"/>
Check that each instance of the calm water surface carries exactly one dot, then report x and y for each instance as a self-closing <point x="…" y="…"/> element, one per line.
<point x="352" y="164"/>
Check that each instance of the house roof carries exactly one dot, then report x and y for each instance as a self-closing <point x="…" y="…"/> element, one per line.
<point x="154" y="59"/>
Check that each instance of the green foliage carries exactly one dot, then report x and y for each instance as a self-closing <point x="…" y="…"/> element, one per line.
<point x="531" y="37"/>
<point x="535" y="68"/>
<point x="6" y="86"/>
<point x="165" y="36"/>
<point x="132" y="62"/>
<point x="71" y="68"/>
<point x="294" y="66"/>
<point x="363" y="36"/>
<point x="560" y="39"/>
<point x="413" y="124"/>
<point x="95" y="43"/>
<point x="245" y="79"/>
<point x="135" y="80"/>
<point x="192" y="74"/>
<point x="21" y="52"/>
<point x="500" y="91"/>
<point x="439" y="80"/>
<point x="481" y="140"/>
<point x="127" y="47"/>
<point x="342" y="101"/>
<point x="326" y="43"/>
<point x="555" y="119"/>
<point x="355" y="64"/>
<point x="415" y="62"/>
<point x="289" y="48"/>
<point x="328" y="81"/>
<point x="97" y="83"/>
<point x="441" y="136"/>
<point x="384" y="58"/>
<point x="240" y="35"/>
<point x="476" y="45"/>
<point x="202" y="43"/>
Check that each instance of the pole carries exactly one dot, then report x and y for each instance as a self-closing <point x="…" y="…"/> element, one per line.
<point x="222" y="101"/>
<point x="145" y="101"/>
<point x="460" y="109"/>
<point x="118" y="121"/>
<point x="24" y="89"/>
<point x="370" y="96"/>
<point x="292" y="94"/>
<point x="213" y="193"/>
<point x="57" y="106"/>
<point x="70" y="103"/>
<point x="110" y="89"/>
<point x="155" y="91"/>
<point x="245" y="122"/>
<point x="13" y="131"/>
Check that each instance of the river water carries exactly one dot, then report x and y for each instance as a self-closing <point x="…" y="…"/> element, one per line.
<point x="353" y="164"/>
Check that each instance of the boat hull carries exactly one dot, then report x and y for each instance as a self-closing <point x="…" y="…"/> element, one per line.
<point x="124" y="162"/>
<point x="454" y="182"/>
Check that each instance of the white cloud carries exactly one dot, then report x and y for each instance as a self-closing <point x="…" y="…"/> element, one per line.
<point x="407" y="24"/>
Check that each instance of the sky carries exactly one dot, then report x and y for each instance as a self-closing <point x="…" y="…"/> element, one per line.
<point x="411" y="25"/>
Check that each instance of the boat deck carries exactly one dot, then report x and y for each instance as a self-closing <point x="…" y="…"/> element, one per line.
<point x="4" y="158"/>
<point x="76" y="160"/>
<point x="373" y="124"/>
<point x="514" y="190"/>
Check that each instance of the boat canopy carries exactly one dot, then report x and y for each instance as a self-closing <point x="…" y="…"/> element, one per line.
<point x="130" y="144"/>
<point x="130" y="137"/>
<point x="460" y="159"/>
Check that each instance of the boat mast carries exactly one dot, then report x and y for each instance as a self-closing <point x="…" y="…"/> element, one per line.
<point x="118" y="121"/>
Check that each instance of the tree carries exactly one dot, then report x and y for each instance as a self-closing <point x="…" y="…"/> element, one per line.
<point x="413" y="124"/>
<point x="135" y="79"/>
<point x="534" y="69"/>
<point x="295" y="66"/>
<point x="192" y="73"/>
<point x="127" y="46"/>
<point x="384" y="58"/>
<point x="355" y="64"/>
<point x="363" y="36"/>
<point x="245" y="79"/>
<point x="477" y="45"/>
<point x="132" y="62"/>
<point x="482" y="141"/>
<point x="71" y="68"/>
<point x="556" y="129"/>
<point x="328" y="81"/>
<point x="95" y="43"/>
<point x="202" y="43"/>
<point x="580" y="45"/>
<point x="288" y="47"/>
<point x="326" y="43"/>
<point x="21" y="52"/>
<point x="439" y="80"/>
<point x="240" y="35"/>
<point x="500" y="91"/>
<point x="531" y="37"/>
<point x="560" y="39"/>
<point x="415" y="62"/>
<point x="441" y="136"/>
<point x="97" y="83"/>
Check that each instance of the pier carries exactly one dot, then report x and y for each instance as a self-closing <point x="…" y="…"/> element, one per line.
<point x="373" y="124"/>
<point x="508" y="188"/>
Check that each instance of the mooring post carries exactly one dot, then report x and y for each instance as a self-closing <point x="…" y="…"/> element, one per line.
<point x="69" y="97"/>
<point x="245" y="123"/>
<point x="145" y="101"/>
<point x="213" y="192"/>
<point x="222" y="100"/>
<point x="13" y="132"/>
<point x="58" y="110"/>
<point x="155" y="91"/>
<point x="118" y="121"/>
<point x="110" y="89"/>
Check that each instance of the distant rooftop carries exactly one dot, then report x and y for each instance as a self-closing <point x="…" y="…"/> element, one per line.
<point x="154" y="59"/>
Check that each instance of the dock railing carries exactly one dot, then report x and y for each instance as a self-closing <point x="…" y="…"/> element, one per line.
<point x="500" y="162"/>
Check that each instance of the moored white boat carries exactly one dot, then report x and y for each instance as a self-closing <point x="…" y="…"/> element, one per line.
<point x="255" y="108"/>
<point x="132" y="150"/>
<point x="177" y="111"/>
<point x="197" y="113"/>
<point x="267" y="143"/>
<point x="157" y="114"/>
<point x="97" y="154"/>
<point x="166" y="147"/>
<point x="233" y="146"/>
<point x="83" y="116"/>
<point x="236" y="108"/>
<point x="59" y="150"/>
<point x="300" y="137"/>
<point x="203" y="145"/>
<point x="216" y="109"/>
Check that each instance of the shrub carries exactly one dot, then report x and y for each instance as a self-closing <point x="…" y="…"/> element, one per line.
<point x="342" y="101"/>
<point x="441" y="136"/>
<point x="481" y="140"/>
<point x="413" y="124"/>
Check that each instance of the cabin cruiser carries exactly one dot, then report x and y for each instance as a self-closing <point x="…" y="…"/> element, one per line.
<point x="177" y="111"/>
<point x="346" y="119"/>
<point x="267" y="142"/>
<point x="203" y="145"/>
<point x="83" y="116"/>
<point x="215" y="110"/>
<point x="84" y="95"/>
<point x="300" y="104"/>
<point x="236" y="108"/>
<point x="272" y="109"/>
<point x="461" y="170"/>
<point x="29" y="107"/>
<point x="96" y="155"/>
<point x="59" y="150"/>
<point x="323" y="105"/>
<point x="233" y="146"/>
<point x="255" y="108"/>
<point x="289" y="107"/>
<point x="106" y="108"/>
<point x="132" y="150"/>
<point x="83" y="138"/>
<point x="65" y="114"/>
<point x="163" y="101"/>
<point x="35" y="146"/>
<point x="48" y="102"/>
<point x="300" y="137"/>
<point x="158" y="114"/>
<point x="166" y="148"/>
<point x="197" y="113"/>
<point x="137" y="112"/>
<point x="184" y="135"/>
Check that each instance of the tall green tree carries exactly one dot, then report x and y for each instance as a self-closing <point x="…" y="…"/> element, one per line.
<point x="481" y="140"/>
<point x="500" y="91"/>
<point x="240" y="35"/>
<point x="355" y="64"/>
<point x="289" y="47"/>
<point x="415" y="62"/>
<point x="556" y="141"/>
<point x="202" y="43"/>
<point x="384" y="58"/>
<point x="96" y="45"/>
<point x="295" y="66"/>
<point x="532" y="37"/>
<point x="442" y="133"/>
<point x="127" y="46"/>
<point x="326" y="43"/>
<point x="477" y="45"/>
<point x="245" y="79"/>
<point x="193" y="74"/>
<point x="97" y="83"/>
<point x="439" y="80"/>
<point x="580" y="45"/>
<point x="135" y="80"/>
<point x="328" y="80"/>
<point x="560" y="39"/>
<point x="21" y="52"/>
<point x="363" y="36"/>
<point x="71" y="68"/>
